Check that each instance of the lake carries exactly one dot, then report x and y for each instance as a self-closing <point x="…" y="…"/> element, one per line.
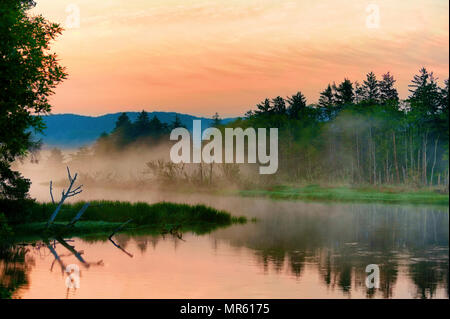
<point x="294" y="250"/>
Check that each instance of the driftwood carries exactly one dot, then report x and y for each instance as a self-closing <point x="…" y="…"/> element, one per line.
<point x="64" y="195"/>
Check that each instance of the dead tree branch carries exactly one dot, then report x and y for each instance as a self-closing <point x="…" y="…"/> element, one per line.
<point x="51" y="192"/>
<point x="78" y="215"/>
<point x="64" y="195"/>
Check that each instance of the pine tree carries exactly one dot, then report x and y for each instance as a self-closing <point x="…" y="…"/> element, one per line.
<point x="297" y="105"/>
<point x="216" y="120"/>
<point x="142" y="125"/>
<point x="122" y="121"/>
<point x="326" y="98"/>
<point x="370" y="87"/>
<point x="359" y="92"/>
<point x="176" y="123"/>
<point x="424" y="97"/>
<point x="122" y="133"/>
<point x="264" y="107"/>
<point x="156" y="128"/>
<point x="279" y="105"/>
<point x="344" y="93"/>
<point x="387" y="90"/>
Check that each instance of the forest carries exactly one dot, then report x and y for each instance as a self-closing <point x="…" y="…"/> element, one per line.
<point x="357" y="134"/>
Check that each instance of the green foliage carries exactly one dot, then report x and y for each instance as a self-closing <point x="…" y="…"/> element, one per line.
<point x="13" y="271"/>
<point x="141" y="213"/>
<point x="361" y="134"/>
<point x="105" y="216"/>
<point x="16" y="211"/>
<point x="5" y="230"/>
<point x="28" y="75"/>
<point x="127" y="133"/>
<point x="371" y="90"/>
<point x="344" y="93"/>
<point x="347" y="194"/>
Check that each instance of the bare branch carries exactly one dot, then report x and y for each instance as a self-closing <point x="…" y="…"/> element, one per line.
<point x="77" y="188"/>
<point x="51" y="193"/>
<point x="78" y="215"/>
<point x="65" y="195"/>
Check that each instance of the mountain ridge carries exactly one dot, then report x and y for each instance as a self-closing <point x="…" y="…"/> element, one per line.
<point x="69" y="130"/>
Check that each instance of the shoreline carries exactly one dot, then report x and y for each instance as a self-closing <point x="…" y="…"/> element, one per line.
<point x="346" y="194"/>
<point x="105" y="217"/>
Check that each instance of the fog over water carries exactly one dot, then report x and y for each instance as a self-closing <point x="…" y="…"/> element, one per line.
<point x="295" y="249"/>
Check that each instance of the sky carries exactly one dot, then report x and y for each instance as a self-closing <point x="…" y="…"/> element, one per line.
<point x="206" y="56"/>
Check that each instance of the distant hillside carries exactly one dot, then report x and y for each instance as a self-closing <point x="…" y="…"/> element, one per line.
<point x="72" y="130"/>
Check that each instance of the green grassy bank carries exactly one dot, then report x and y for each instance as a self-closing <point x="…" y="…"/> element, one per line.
<point x="105" y="216"/>
<point x="349" y="194"/>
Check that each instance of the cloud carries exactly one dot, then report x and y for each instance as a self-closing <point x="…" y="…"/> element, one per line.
<point x="194" y="55"/>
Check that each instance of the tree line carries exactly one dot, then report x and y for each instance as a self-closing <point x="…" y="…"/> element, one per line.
<point x="362" y="132"/>
<point x="126" y="132"/>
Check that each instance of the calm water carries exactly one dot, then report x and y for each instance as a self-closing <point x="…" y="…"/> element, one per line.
<point x="296" y="250"/>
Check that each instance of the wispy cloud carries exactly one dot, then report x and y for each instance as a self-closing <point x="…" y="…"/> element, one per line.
<point x="205" y="56"/>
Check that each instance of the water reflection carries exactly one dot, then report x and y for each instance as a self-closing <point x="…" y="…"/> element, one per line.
<point x="343" y="240"/>
<point x="295" y="250"/>
<point x="15" y="263"/>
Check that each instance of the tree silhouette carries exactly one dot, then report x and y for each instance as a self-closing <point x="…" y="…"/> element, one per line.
<point x="344" y="92"/>
<point x="424" y="96"/>
<point x="296" y="105"/>
<point x="141" y="127"/>
<point x="216" y="120"/>
<point x="387" y="90"/>
<point x="176" y="123"/>
<point x="279" y="105"/>
<point x="28" y="75"/>
<point x="122" y="121"/>
<point x="326" y="98"/>
<point x="359" y="92"/>
<point x="157" y="128"/>
<point x="370" y="88"/>
<point x="264" y="107"/>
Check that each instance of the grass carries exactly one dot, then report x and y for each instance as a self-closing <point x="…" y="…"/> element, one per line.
<point x="348" y="194"/>
<point x="105" y="216"/>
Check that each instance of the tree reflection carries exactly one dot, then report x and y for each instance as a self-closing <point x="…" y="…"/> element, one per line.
<point x="343" y="240"/>
<point x="15" y="263"/>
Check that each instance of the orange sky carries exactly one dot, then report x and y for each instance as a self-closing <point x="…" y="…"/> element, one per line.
<point x="203" y="56"/>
